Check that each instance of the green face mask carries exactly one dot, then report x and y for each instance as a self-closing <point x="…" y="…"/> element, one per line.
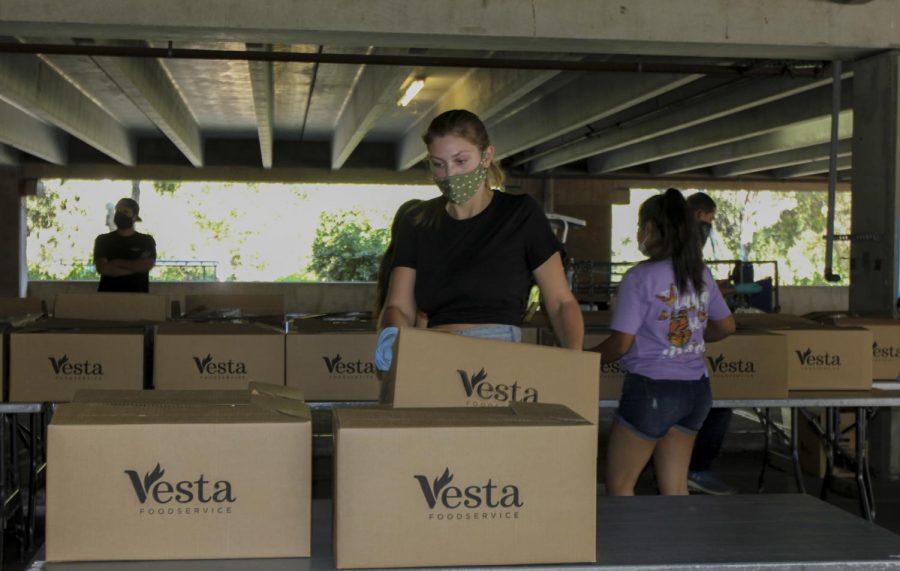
<point x="461" y="187"/>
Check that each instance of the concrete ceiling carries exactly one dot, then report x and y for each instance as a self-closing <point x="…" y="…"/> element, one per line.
<point x="681" y="119"/>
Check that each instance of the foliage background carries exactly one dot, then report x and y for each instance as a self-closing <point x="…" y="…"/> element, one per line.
<point x="281" y="232"/>
<point x="252" y="232"/>
<point x="787" y="227"/>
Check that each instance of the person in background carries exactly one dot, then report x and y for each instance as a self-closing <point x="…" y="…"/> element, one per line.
<point x="124" y="257"/>
<point x="701" y="478"/>
<point x="467" y="258"/>
<point x="667" y="308"/>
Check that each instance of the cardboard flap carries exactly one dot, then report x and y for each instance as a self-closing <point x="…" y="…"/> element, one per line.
<point x="533" y="414"/>
<point x="150" y="413"/>
<point x="557" y="413"/>
<point x="110" y="306"/>
<point x="18" y="308"/>
<point x="82" y="326"/>
<point x="161" y="397"/>
<point x="192" y="328"/>
<point x="280" y="399"/>
<point x="246" y="304"/>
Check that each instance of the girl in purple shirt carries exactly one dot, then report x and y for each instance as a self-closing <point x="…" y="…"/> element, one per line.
<point x="667" y="308"/>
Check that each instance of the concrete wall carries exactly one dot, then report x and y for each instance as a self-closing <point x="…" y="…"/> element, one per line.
<point x="337" y="297"/>
<point x="299" y="297"/>
<point x="804" y="299"/>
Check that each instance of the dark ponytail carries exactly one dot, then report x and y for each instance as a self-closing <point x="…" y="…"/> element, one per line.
<point x="676" y="236"/>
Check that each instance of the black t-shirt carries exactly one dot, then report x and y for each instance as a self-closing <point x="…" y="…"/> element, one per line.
<point x="477" y="270"/>
<point x="114" y="246"/>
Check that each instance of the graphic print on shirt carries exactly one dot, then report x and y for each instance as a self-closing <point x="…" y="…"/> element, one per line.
<point x="687" y="314"/>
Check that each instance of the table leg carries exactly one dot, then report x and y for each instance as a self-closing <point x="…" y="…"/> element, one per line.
<point x="863" y="477"/>
<point x="3" y="491"/>
<point x="765" y="418"/>
<point x="828" y="442"/>
<point x="32" y="477"/>
<point x="795" y="449"/>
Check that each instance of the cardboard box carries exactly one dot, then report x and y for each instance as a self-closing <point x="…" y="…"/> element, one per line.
<point x="14" y="308"/>
<point x="257" y="304"/>
<point x="449" y="487"/>
<point x="612" y="375"/>
<point x="432" y="368"/>
<point x="216" y="356"/>
<point x="770" y="320"/>
<point x="49" y="365"/>
<point x="161" y="397"/>
<point x="748" y="365"/>
<point x="107" y="306"/>
<point x="809" y="443"/>
<point x="189" y="480"/>
<point x="885" y="344"/>
<point x="332" y="366"/>
<point x="828" y="358"/>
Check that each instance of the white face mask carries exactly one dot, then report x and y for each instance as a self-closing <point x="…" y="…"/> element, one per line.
<point x="642" y="246"/>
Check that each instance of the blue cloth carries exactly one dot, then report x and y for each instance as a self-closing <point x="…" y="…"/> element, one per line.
<point x="497" y="332"/>
<point x="384" y="348"/>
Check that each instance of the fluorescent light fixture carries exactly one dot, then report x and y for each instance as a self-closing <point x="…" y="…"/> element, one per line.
<point x="414" y="88"/>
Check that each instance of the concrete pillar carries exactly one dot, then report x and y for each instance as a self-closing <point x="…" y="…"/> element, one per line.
<point x="876" y="209"/>
<point x="588" y="199"/>
<point x="876" y="185"/>
<point x="13" y="271"/>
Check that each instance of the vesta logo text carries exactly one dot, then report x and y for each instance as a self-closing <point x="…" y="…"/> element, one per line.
<point x="809" y="359"/>
<point x="484" y="501"/>
<point x="337" y="366"/>
<point x="198" y="496"/>
<point x="64" y="366"/>
<point x="614" y="368"/>
<point x="478" y="387"/>
<point x="208" y="366"/>
<point x="721" y="365"/>
<point x="882" y="352"/>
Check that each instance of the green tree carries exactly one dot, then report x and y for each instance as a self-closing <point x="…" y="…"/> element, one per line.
<point x="346" y="247"/>
<point x="43" y="227"/>
<point x="787" y="227"/>
<point x="166" y="187"/>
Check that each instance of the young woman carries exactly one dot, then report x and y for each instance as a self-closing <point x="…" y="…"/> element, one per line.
<point x="468" y="257"/>
<point x="667" y="308"/>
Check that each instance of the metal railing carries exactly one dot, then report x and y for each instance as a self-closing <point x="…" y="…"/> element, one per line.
<point x="595" y="283"/>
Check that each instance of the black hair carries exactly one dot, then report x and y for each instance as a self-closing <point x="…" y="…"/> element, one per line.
<point x="384" y="267"/>
<point x="701" y="202"/>
<point x="675" y="236"/>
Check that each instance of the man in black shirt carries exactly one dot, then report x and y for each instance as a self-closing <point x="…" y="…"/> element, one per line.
<point x="125" y="257"/>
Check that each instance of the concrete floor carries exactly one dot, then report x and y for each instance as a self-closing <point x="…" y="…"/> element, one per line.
<point x="738" y="464"/>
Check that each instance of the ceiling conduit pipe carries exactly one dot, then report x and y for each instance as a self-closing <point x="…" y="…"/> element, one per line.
<point x="832" y="172"/>
<point x="754" y="68"/>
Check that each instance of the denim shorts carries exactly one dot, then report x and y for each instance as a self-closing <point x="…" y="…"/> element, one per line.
<point x="497" y="332"/>
<point x="650" y="407"/>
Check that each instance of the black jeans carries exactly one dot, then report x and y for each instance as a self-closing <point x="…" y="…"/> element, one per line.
<point x="709" y="439"/>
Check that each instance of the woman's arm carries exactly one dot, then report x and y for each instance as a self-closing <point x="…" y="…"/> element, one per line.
<point x="614" y="346"/>
<point x="559" y="303"/>
<point x="400" y="303"/>
<point x="718" y="330"/>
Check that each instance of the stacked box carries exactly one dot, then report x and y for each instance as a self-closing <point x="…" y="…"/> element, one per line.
<point x="51" y="360"/>
<point x="190" y="478"/>
<point x="332" y="361"/>
<point x="217" y="356"/>
<point x="449" y="487"/>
